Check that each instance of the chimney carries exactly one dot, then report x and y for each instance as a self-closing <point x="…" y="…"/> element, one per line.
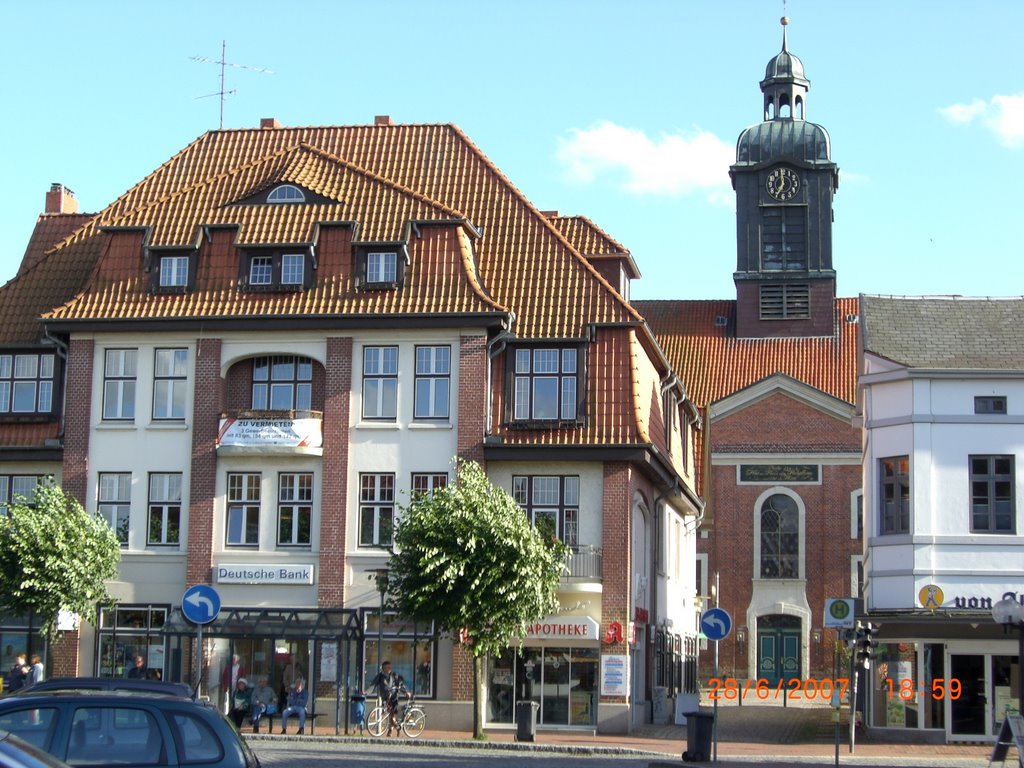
<point x="60" y="199"/>
<point x="269" y="122"/>
<point x="549" y="214"/>
<point x="383" y="120"/>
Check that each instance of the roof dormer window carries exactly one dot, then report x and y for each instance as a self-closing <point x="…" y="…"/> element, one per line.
<point x="381" y="267"/>
<point x="286" y="193"/>
<point x="275" y="270"/>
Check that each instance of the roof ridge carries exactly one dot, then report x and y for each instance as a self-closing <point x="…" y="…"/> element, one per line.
<point x="579" y="257"/>
<point x="385" y="181"/>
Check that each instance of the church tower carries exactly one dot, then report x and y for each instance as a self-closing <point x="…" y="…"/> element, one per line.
<point x="784" y="179"/>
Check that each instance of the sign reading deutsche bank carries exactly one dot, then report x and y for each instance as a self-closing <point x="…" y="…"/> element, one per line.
<point x="292" y="573"/>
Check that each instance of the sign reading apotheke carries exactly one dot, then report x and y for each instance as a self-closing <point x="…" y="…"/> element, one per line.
<point x="563" y="628"/>
<point x="293" y="573"/>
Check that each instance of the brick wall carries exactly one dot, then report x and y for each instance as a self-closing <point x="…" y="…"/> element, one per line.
<point x="78" y="419"/>
<point x="748" y="312"/>
<point x="334" y="484"/>
<point x="63" y="661"/>
<point x="616" y="568"/>
<point x="462" y="673"/>
<point x="472" y="397"/>
<point x="780" y="428"/>
<point x="203" y="475"/>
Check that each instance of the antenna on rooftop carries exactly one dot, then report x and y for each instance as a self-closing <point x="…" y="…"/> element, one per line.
<point x="223" y="62"/>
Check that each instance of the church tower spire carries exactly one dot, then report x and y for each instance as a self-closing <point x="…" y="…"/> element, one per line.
<point x="784" y="179"/>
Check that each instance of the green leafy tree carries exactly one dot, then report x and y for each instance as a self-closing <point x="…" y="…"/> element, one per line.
<point x="54" y="556"/>
<point x="468" y="559"/>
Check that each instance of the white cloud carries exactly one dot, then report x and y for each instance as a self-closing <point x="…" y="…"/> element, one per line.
<point x="1003" y="115"/>
<point x="671" y="164"/>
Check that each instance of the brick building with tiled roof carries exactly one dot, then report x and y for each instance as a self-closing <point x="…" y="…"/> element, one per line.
<point x="248" y="360"/>
<point x="775" y="370"/>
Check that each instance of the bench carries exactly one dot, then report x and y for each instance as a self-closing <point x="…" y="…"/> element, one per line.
<point x="269" y="720"/>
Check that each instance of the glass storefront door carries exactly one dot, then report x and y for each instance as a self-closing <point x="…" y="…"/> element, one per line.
<point x="968" y="710"/>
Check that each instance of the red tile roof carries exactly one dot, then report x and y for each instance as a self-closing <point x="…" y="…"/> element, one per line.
<point x="380" y="177"/>
<point x="714" y="364"/>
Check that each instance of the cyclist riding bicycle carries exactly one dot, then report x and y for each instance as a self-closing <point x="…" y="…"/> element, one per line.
<point x="389" y="686"/>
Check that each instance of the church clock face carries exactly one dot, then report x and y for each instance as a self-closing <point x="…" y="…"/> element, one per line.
<point x="783" y="184"/>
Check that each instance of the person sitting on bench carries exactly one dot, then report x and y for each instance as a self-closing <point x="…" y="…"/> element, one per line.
<point x="298" y="697"/>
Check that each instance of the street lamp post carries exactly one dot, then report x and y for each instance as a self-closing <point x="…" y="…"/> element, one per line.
<point x="380" y="577"/>
<point x="1010" y="613"/>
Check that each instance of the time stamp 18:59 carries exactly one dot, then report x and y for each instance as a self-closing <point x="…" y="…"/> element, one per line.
<point x="905" y="689"/>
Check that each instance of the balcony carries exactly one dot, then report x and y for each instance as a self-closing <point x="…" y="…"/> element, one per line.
<point x="583" y="569"/>
<point x="251" y="432"/>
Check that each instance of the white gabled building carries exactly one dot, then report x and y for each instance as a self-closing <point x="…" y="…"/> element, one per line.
<point x="941" y="394"/>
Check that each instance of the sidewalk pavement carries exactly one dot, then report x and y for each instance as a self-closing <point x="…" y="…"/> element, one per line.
<point x="748" y="733"/>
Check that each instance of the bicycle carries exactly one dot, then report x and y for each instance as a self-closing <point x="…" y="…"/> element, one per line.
<point x="411" y="719"/>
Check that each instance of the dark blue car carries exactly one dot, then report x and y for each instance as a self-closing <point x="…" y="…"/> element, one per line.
<point x="99" y="728"/>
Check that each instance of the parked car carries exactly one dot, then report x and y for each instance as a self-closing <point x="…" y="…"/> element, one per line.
<point x="15" y="753"/>
<point x="103" y="728"/>
<point x="155" y="687"/>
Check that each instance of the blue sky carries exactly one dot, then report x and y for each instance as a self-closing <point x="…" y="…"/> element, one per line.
<point x="625" y="112"/>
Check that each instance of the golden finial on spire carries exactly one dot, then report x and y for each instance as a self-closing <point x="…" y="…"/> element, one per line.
<point x="784" y="21"/>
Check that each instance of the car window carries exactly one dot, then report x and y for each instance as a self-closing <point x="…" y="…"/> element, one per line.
<point x="32" y="725"/>
<point x="115" y="736"/>
<point x="197" y="741"/>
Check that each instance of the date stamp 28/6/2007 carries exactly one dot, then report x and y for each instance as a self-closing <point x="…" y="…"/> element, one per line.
<point x="824" y="689"/>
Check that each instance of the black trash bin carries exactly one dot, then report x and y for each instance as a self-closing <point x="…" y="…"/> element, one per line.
<point x="699" y="728"/>
<point x="526" y="720"/>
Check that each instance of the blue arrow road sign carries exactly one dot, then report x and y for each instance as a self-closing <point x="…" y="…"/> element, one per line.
<point x="200" y="604"/>
<point x="715" y="623"/>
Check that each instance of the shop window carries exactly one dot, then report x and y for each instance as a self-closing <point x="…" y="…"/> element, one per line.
<point x="27" y="383"/>
<point x="433" y="382"/>
<point x="282" y="383"/>
<point x="164" y="508"/>
<point x="295" y="509"/>
<point x="545" y="384"/>
<point x="119" y="371"/>
<point x="127" y="631"/>
<point x="170" y="372"/>
<point x="554" y="499"/>
<point x="410" y="647"/>
<point x="115" y="495"/>
<point x="894" y="478"/>
<point x="992" y="494"/>
<point x="380" y="383"/>
<point x="376" y="509"/>
<point x="243" y="518"/>
<point x="563" y="681"/>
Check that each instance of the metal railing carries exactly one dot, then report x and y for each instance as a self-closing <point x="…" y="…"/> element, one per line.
<point x="583" y="563"/>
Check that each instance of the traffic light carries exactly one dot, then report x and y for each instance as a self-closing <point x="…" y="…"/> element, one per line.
<point x="867" y="643"/>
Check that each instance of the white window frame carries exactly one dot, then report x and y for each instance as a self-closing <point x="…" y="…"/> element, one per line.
<point x="432" y="388"/>
<point x="380" y="383"/>
<point x="286" y="193"/>
<point x="165" y="492"/>
<point x="173" y="271"/>
<point x="170" y="384"/>
<point x="244" y="503"/>
<point x="298" y="500"/>
<point x="376" y="505"/>
<point x="261" y="270"/>
<point x="381" y="267"/>
<point x="556" y="497"/>
<point x="114" y="503"/>
<point x="120" y="369"/>
<point x="290" y="275"/>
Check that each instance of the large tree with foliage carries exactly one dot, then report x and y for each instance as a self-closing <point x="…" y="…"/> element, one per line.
<point x="468" y="559"/>
<point x="54" y="556"/>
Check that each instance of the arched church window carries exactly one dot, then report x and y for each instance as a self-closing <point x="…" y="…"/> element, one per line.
<point x="780" y="538"/>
